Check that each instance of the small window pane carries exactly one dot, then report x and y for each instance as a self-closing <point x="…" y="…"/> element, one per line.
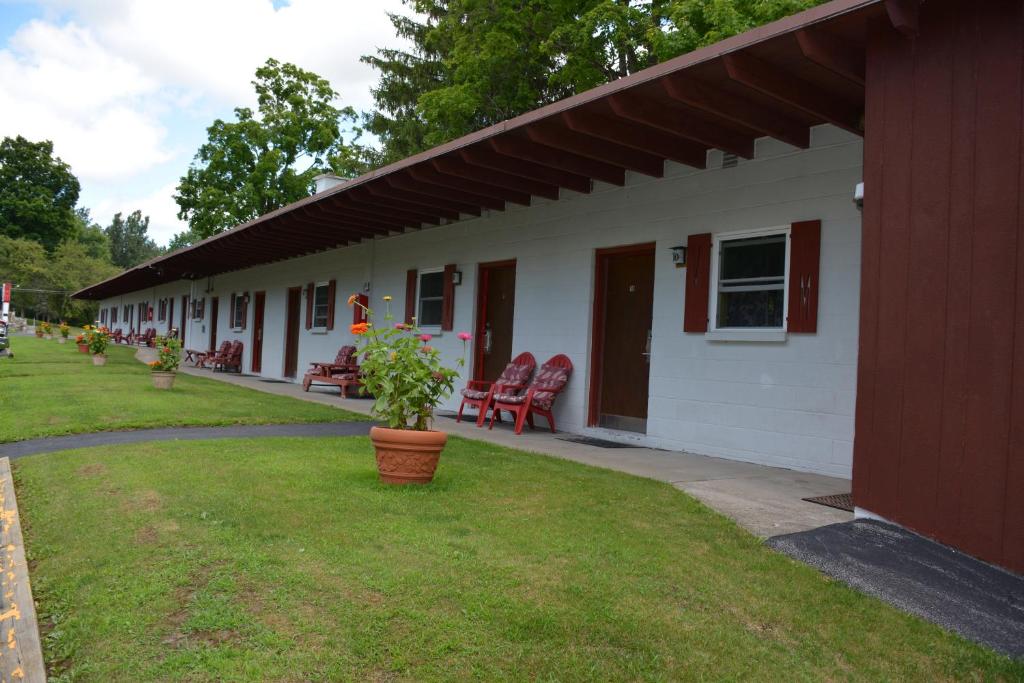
<point x="756" y="257"/>
<point x="239" y="303"/>
<point x="320" y="306"/>
<point x="430" y="312"/>
<point x="431" y="285"/>
<point x="750" y="309"/>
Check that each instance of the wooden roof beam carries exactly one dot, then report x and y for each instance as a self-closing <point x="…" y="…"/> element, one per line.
<point x="642" y="138"/>
<point x="832" y="53"/>
<point x="431" y="174"/>
<point x="392" y="197"/>
<point x="490" y="177"/>
<point x="526" y="150"/>
<point x="599" y="150"/>
<point x="413" y="183"/>
<point x="362" y="199"/>
<point x="739" y="110"/>
<point x="683" y="124"/>
<point x="904" y="15"/>
<point x="394" y="186"/>
<point x="344" y="213"/>
<point x="485" y="156"/>
<point x="786" y="88"/>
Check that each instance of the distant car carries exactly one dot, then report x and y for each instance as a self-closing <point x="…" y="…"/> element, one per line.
<point x="5" y="343"/>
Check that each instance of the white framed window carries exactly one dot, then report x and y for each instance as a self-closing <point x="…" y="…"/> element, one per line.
<point x="430" y="304"/>
<point x="238" y="311"/>
<point x="750" y="281"/>
<point x="321" y="306"/>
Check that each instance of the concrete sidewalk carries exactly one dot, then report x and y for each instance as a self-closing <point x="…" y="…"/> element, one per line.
<point x="764" y="500"/>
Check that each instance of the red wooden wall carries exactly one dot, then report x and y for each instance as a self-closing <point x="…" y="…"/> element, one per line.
<point x="939" y="442"/>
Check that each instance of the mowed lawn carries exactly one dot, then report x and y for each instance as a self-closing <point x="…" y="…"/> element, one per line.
<point x="50" y="389"/>
<point x="285" y="559"/>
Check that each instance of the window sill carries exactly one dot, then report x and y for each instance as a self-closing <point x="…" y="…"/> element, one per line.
<point x="318" y="330"/>
<point x="746" y="335"/>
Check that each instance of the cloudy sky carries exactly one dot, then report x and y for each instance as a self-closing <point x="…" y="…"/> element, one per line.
<point x="126" y="88"/>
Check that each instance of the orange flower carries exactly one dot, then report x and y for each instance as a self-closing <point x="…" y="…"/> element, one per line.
<point x="359" y="328"/>
<point x="352" y="299"/>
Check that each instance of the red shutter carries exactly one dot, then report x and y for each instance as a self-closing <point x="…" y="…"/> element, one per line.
<point x="330" y="304"/>
<point x="410" y="295"/>
<point x="804" y="258"/>
<point x="698" y="282"/>
<point x="245" y="309"/>
<point x="448" y="304"/>
<point x="358" y="312"/>
<point x="309" y="306"/>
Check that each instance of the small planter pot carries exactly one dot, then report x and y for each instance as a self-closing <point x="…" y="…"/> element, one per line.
<point x="405" y="456"/>
<point x="99" y="359"/>
<point x="83" y="348"/>
<point x="62" y="340"/>
<point x="39" y="333"/>
<point x="48" y="336"/>
<point x="162" y="379"/>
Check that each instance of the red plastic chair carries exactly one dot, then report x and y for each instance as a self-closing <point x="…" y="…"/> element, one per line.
<point x="539" y="397"/>
<point x="512" y="380"/>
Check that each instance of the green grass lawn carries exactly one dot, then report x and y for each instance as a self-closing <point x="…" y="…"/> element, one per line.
<point x="285" y="559"/>
<point x="49" y="389"/>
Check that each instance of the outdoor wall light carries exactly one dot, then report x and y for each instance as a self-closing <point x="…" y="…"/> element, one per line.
<point x="679" y="256"/>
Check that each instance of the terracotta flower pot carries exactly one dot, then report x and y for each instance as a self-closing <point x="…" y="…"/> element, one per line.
<point x="162" y="379"/>
<point x="405" y="456"/>
<point x="84" y="348"/>
<point x="39" y="333"/>
<point x="99" y="359"/>
<point x="48" y="336"/>
<point x="62" y="340"/>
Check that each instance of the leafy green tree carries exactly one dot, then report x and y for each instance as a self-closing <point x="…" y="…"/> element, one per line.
<point x="70" y="269"/>
<point x="474" y="63"/>
<point x="38" y="192"/>
<point x="91" y="235"/>
<point x="267" y="158"/>
<point x="129" y="239"/>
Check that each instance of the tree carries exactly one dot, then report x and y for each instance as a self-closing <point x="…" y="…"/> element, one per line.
<point x="91" y="235"/>
<point x="474" y="63"/>
<point x="71" y="269"/>
<point x="266" y="159"/>
<point x="130" y="244"/>
<point x="38" y="193"/>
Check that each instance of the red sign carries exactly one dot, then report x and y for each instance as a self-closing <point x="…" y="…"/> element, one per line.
<point x="7" y="293"/>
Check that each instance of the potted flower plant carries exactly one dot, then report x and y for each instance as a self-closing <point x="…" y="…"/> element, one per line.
<point x="98" y="337"/>
<point x="166" y="364"/>
<point x="47" y="329"/>
<point x="65" y="330"/>
<point x="39" y="329"/>
<point x="407" y="380"/>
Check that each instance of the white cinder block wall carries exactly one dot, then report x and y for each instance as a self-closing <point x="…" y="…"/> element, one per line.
<point x="787" y="404"/>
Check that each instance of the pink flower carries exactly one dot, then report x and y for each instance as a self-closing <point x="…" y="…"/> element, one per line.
<point x="464" y="336"/>
<point x="401" y="326"/>
<point x="426" y="337"/>
<point x="426" y="349"/>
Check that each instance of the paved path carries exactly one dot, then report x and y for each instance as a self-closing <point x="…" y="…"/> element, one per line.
<point x="764" y="500"/>
<point x="18" y="449"/>
<point x="917" y="575"/>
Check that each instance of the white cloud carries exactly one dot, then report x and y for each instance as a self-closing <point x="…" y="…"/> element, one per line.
<point x="125" y="88"/>
<point x="159" y="205"/>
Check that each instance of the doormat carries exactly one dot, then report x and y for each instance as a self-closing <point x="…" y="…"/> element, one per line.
<point x="839" y="501"/>
<point x="591" y="441"/>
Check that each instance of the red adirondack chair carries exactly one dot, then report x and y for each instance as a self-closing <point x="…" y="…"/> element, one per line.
<point x="539" y="397"/>
<point x="343" y="372"/>
<point x="512" y="380"/>
<point x="206" y="357"/>
<point x="232" y="359"/>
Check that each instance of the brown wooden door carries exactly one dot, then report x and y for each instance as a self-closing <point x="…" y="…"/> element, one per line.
<point x="184" y="317"/>
<point x="291" y="340"/>
<point x="214" y="304"/>
<point x="624" y="305"/>
<point x="259" y="300"/>
<point x="496" y="302"/>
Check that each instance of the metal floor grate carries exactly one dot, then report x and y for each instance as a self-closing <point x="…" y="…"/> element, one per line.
<point x="839" y="501"/>
<point x="592" y="441"/>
